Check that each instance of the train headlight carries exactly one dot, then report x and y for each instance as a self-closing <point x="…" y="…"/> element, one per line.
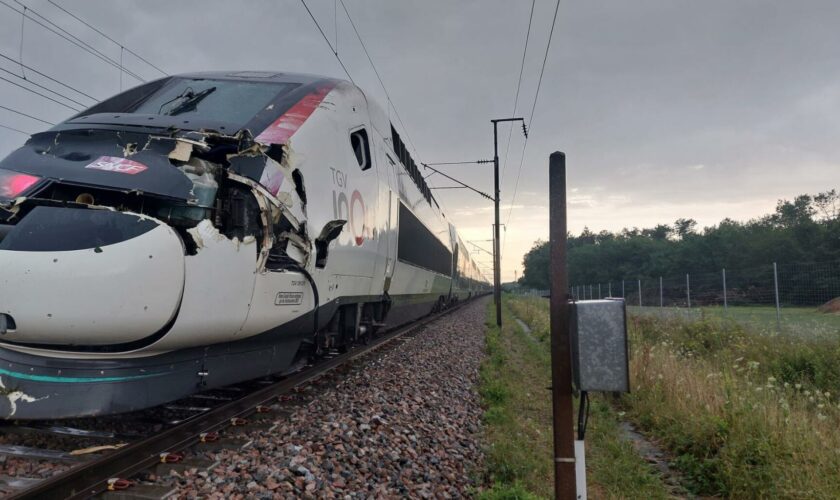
<point x="13" y="184"/>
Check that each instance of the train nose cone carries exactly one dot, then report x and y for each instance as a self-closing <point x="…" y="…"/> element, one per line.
<point x="81" y="277"/>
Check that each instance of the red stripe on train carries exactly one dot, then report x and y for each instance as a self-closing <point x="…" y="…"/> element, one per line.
<point x="285" y="126"/>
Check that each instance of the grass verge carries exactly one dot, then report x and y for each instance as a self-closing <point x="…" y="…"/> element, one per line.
<point x="514" y="381"/>
<point x="803" y="322"/>
<point x="744" y="413"/>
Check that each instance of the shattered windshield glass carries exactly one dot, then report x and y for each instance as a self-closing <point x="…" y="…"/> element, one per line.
<point x="215" y="100"/>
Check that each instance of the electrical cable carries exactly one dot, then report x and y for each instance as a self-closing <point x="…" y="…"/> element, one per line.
<point x="396" y="111"/>
<point x="135" y="54"/>
<point x="531" y="117"/>
<point x="14" y="129"/>
<point x="583" y="414"/>
<point x="30" y="68"/>
<point x="40" y="94"/>
<point x="335" y="53"/>
<point x="26" y="115"/>
<point x="459" y="162"/>
<point x="40" y="86"/>
<point x="20" y="45"/>
<point x="518" y="86"/>
<point x="69" y="37"/>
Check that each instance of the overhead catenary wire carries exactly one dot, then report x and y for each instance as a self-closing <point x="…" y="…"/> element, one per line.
<point x="94" y="28"/>
<point x="44" y="96"/>
<point x="332" y="49"/>
<point x="42" y="87"/>
<point x="26" y="115"/>
<point x="78" y="41"/>
<point x="518" y="86"/>
<point x="379" y="77"/>
<point x="531" y="116"/>
<point x="69" y="37"/>
<point x="14" y="129"/>
<point x="382" y="83"/>
<point x="44" y="75"/>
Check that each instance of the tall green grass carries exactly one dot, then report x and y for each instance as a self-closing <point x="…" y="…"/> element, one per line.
<point x="514" y="387"/>
<point x="743" y="413"/>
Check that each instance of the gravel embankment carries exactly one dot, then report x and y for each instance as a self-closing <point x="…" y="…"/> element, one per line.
<point x="404" y="422"/>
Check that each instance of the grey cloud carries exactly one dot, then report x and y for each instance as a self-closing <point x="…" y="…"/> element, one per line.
<point x="636" y="93"/>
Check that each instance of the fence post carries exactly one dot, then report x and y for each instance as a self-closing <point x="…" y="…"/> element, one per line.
<point x="640" y="293"/>
<point x="660" y="292"/>
<point x="599" y="291"/>
<point x="688" y="290"/>
<point x="725" y="304"/>
<point x="776" y="288"/>
<point x="590" y="292"/>
<point x="609" y="288"/>
<point x="622" y="288"/>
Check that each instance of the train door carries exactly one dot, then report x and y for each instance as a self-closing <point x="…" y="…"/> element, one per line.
<point x="386" y="222"/>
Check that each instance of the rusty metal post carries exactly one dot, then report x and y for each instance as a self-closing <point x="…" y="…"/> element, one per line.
<point x="565" y="487"/>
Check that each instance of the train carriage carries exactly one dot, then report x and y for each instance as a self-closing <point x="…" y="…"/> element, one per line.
<point x="205" y="229"/>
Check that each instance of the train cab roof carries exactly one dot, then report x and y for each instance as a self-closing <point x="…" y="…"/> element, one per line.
<point x="224" y="101"/>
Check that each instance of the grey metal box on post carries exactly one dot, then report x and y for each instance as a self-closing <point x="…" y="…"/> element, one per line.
<point x="600" y="360"/>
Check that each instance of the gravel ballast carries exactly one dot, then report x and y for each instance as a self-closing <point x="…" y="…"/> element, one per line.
<point x="405" y="421"/>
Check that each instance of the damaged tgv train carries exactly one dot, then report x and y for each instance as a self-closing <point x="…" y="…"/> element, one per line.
<point x="205" y="229"/>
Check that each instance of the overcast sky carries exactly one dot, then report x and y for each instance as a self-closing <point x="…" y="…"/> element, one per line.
<point x="665" y="108"/>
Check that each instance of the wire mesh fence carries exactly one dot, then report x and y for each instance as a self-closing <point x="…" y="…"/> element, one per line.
<point x="781" y="293"/>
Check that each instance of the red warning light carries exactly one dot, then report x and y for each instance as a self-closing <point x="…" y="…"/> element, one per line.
<point x="13" y="184"/>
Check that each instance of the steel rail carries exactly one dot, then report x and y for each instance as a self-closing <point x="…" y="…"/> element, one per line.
<point x="91" y="478"/>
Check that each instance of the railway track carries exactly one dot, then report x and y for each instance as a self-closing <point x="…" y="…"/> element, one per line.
<point x="183" y="440"/>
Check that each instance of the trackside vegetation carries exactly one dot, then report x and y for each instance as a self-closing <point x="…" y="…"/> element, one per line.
<point x="514" y="387"/>
<point x="741" y="413"/>
<point x="806" y="229"/>
<point x="745" y="415"/>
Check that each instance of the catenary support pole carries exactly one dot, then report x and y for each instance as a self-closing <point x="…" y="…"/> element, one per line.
<point x="497" y="275"/>
<point x="497" y="261"/>
<point x="640" y="293"/>
<point x="776" y="288"/>
<point x="599" y="291"/>
<point x="609" y="288"/>
<point x="725" y="302"/>
<point x="622" y="289"/>
<point x="688" y="291"/>
<point x="565" y="487"/>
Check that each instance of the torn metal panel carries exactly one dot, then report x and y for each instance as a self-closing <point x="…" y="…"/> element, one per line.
<point x="274" y="213"/>
<point x="66" y="156"/>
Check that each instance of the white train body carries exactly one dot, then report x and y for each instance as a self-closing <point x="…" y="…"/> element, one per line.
<point x="148" y="252"/>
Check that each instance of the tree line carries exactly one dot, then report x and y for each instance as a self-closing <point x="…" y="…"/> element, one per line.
<point x="806" y="229"/>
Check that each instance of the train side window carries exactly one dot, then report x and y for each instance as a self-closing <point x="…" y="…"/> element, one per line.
<point x="361" y="148"/>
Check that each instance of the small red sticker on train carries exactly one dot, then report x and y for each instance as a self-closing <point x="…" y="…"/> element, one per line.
<point x="119" y="165"/>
